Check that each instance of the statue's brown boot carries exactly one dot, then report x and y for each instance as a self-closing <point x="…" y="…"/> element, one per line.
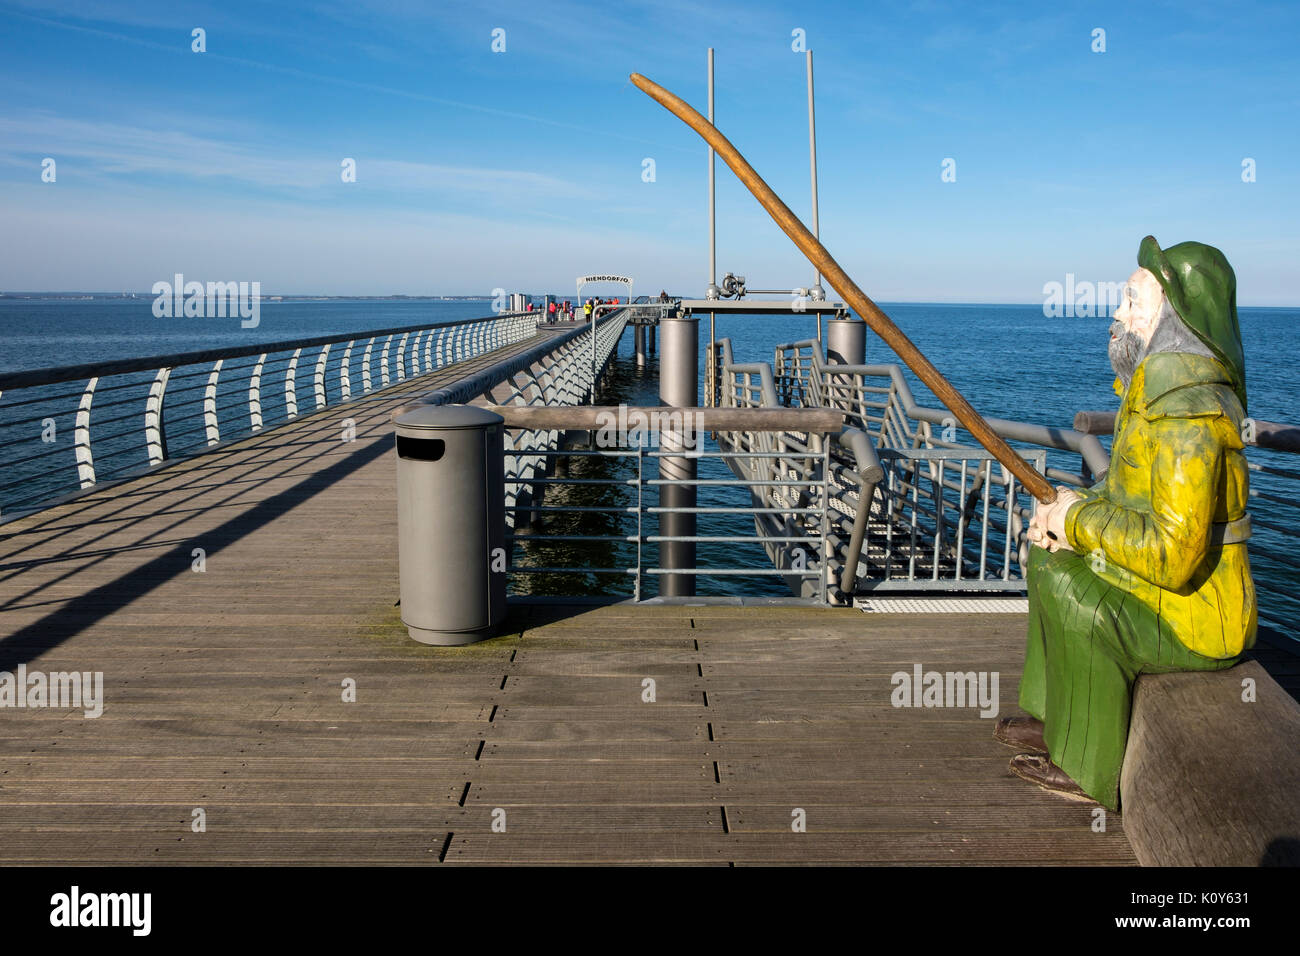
<point x="1023" y="733"/>
<point x="1039" y="769"/>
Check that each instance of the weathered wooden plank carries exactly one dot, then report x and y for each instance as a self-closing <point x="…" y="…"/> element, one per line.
<point x="228" y="847"/>
<point x="354" y="767"/>
<point x="533" y="792"/>
<point x="1194" y="795"/>
<point x="904" y="765"/>
<point x="923" y="726"/>
<point x="433" y="790"/>
<point x="628" y="817"/>
<point x="902" y="746"/>
<point x="182" y="729"/>
<point x="222" y="816"/>
<point x="568" y="712"/>
<point x="546" y="691"/>
<point x="678" y="663"/>
<point x="503" y="770"/>
<point x="694" y="751"/>
<point x="179" y="706"/>
<point x="1035" y="816"/>
<point x="323" y="744"/>
<point x="911" y="847"/>
<point x="671" y="727"/>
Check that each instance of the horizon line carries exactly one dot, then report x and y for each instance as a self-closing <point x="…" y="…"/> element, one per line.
<point x="53" y="293"/>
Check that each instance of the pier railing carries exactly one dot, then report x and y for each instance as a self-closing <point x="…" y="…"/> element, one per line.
<point x="560" y="378"/>
<point x="556" y="374"/>
<point x="968" y="512"/>
<point x="851" y="470"/>
<point x="618" y="481"/>
<point x="66" y="430"/>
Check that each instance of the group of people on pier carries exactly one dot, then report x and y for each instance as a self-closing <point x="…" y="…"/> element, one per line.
<point x="557" y="311"/>
<point x="566" y="311"/>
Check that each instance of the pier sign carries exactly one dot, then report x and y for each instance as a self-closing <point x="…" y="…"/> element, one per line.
<point x="583" y="280"/>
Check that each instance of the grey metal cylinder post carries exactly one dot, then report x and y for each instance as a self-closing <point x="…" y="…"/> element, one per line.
<point x="639" y="337"/>
<point x="679" y="370"/>
<point x="451" y="523"/>
<point x="846" y="344"/>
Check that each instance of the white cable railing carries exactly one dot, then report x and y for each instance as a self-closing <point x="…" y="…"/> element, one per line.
<point x="70" y="429"/>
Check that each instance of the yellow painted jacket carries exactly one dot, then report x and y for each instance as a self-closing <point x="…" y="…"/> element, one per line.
<point x="1177" y="478"/>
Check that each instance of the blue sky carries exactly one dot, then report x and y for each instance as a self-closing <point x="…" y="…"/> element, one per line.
<point x="523" y="169"/>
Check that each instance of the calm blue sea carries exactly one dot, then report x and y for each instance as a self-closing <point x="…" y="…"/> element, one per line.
<point x="41" y="333"/>
<point x="1009" y="360"/>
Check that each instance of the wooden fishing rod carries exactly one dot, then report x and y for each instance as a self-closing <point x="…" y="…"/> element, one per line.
<point x="858" y="300"/>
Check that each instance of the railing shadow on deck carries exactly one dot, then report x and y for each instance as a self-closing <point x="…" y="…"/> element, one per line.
<point x="32" y="640"/>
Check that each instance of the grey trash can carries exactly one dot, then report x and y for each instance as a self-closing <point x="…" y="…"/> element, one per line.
<point x="451" y="522"/>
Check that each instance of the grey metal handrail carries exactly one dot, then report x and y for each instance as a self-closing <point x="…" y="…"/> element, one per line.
<point x="1093" y="453"/>
<point x="869" y="474"/>
<point x="1276" y="436"/>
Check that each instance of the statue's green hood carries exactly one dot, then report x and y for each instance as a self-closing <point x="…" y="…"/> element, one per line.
<point x="1202" y="288"/>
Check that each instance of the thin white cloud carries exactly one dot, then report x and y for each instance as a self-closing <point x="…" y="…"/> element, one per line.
<point x="115" y="149"/>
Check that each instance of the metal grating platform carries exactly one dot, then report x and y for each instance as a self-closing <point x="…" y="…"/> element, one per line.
<point x="943" y="605"/>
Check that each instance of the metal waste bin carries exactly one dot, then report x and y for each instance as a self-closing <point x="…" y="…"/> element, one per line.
<point x="451" y="522"/>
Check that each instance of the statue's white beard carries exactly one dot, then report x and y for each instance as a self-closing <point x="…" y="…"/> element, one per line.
<point x="1127" y="350"/>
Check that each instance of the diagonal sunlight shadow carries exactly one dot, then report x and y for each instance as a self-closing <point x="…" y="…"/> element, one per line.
<point x="269" y="456"/>
<point x="83" y="611"/>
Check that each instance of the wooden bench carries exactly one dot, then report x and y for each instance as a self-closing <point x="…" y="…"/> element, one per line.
<point x="1209" y="779"/>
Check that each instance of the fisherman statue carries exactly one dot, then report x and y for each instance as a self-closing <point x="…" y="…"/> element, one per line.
<point x="1146" y="571"/>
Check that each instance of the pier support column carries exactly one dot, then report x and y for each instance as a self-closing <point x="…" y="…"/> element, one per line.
<point x="639" y="337"/>
<point x="650" y="334"/>
<point x="679" y="372"/>
<point x="846" y="344"/>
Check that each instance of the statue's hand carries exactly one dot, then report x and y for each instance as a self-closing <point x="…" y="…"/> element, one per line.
<point x="1047" y="527"/>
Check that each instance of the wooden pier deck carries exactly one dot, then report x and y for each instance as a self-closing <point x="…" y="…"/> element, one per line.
<point x="224" y="691"/>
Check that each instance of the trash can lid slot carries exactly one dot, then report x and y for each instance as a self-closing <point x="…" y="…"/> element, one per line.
<point x="438" y="417"/>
